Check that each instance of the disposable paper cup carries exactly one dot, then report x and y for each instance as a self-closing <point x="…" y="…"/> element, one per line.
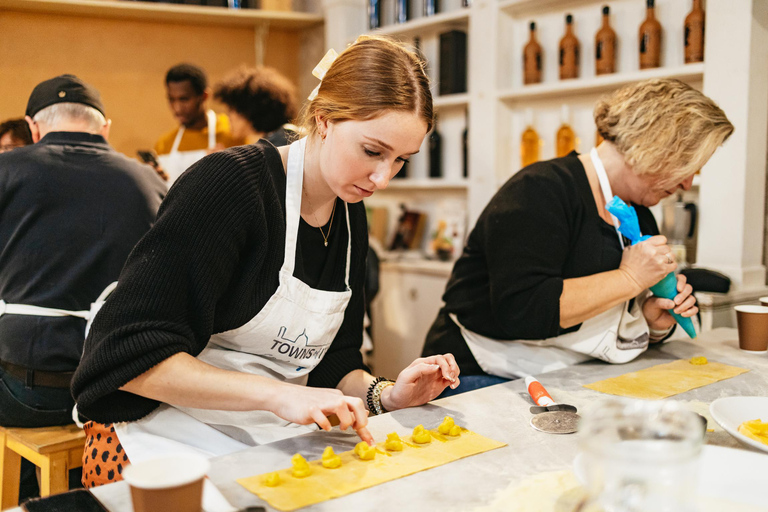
<point x="753" y="328"/>
<point x="172" y="483"/>
<point x="764" y="301"/>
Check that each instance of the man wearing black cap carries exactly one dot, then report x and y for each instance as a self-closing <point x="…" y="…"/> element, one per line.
<point x="71" y="209"/>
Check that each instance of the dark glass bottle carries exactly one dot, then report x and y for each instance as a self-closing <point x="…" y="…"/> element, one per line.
<point x="402" y="11"/>
<point x="374" y="14"/>
<point x="532" y="59"/>
<point x="650" y="39"/>
<point x="435" y="149"/>
<point x="694" y="34"/>
<point x="465" y="152"/>
<point x="569" y="51"/>
<point x="431" y="7"/>
<point x="605" y="46"/>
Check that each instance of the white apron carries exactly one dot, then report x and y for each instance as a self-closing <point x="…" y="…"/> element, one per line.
<point x="618" y="335"/>
<point x="87" y="314"/>
<point x="176" y="162"/>
<point x="284" y="341"/>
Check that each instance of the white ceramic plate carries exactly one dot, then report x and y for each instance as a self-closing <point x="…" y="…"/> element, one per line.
<point x="732" y="411"/>
<point x="727" y="476"/>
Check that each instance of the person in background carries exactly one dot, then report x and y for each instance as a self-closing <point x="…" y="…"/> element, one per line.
<point x="260" y="103"/>
<point x="238" y="318"/>
<point x="545" y="279"/>
<point x="72" y="210"/>
<point x="14" y="133"/>
<point x="200" y="130"/>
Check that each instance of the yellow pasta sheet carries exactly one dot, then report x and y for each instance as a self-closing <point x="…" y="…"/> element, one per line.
<point x="665" y="380"/>
<point x="355" y="474"/>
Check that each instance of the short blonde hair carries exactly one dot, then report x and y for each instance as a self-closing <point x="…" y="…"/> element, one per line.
<point x="662" y="127"/>
<point x="372" y="76"/>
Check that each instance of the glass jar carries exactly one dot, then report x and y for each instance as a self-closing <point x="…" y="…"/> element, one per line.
<point x="640" y="456"/>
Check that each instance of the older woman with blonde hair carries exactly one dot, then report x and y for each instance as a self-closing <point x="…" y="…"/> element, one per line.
<point x="545" y="279"/>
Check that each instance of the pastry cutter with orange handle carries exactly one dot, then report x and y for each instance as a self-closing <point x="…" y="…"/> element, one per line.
<point x="548" y="415"/>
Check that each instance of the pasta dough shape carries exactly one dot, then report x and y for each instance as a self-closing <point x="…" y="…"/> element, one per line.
<point x="665" y="380"/>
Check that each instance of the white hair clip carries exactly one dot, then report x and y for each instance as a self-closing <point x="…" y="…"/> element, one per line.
<point x="321" y="69"/>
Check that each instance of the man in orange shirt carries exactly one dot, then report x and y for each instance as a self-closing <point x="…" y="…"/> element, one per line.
<point x="200" y="131"/>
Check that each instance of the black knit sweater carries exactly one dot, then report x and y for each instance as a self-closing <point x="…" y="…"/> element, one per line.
<point x="209" y="265"/>
<point x="540" y="228"/>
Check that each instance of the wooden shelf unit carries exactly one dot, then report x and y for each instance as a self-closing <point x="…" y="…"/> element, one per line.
<point x="427" y="25"/>
<point x="166" y="13"/>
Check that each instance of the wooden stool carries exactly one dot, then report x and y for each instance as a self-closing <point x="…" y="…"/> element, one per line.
<point x="55" y="450"/>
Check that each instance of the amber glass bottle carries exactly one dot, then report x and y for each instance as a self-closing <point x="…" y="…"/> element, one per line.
<point x="530" y="142"/>
<point x="694" y="34"/>
<point x="569" y="51"/>
<point x="566" y="138"/>
<point x="650" y="39"/>
<point x="605" y="46"/>
<point x="532" y="59"/>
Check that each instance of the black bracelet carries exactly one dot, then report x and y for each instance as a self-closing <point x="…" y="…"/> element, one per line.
<point x="373" y="396"/>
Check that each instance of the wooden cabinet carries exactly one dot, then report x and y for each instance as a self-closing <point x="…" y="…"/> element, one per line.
<point x="410" y="295"/>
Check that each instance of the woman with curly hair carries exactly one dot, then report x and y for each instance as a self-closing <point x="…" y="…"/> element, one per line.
<point x="260" y="103"/>
<point x="545" y="279"/>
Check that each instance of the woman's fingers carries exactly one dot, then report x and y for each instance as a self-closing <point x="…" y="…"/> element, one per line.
<point x="359" y="412"/>
<point x="346" y="418"/>
<point x="684" y="294"/>
<point x="318" y="417"/>
<point x="445" y="367"/>
<point x="446" y="362"/>
<point x="454" y="367"/>
<point x="686" y="305"/>
<point x="365" y="436"/>
<point x="413" y="372"/>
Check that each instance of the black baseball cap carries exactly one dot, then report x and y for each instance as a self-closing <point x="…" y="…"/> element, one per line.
<point x="63" y="89"/>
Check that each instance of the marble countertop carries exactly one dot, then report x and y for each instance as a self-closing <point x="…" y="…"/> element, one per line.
<point x="499" y="412"/>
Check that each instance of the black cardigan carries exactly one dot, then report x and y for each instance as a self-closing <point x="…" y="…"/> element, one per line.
<point x="209" y="265"/>
<point x="540" y="228"/>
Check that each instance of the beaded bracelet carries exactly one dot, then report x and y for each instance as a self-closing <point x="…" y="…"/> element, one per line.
<point x="373" y="397"/>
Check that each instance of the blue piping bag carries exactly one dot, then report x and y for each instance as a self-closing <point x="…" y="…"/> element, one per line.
<point x="630" y="228"/>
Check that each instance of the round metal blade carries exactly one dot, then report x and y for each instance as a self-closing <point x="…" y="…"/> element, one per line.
<point x="556" y="422"/>
<point x="538" y="409"/>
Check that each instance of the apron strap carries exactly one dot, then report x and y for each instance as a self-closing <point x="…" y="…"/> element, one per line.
<point x="293" y="186"/>
<point x="294" y="181"/>
<point x="211" y="129"/>
<point x="605" y="187"/>
<point x="24" y="309"/>
<point x="177" y="140"/>
<point x="349" y="246"/>
<point x="211" y="117"/>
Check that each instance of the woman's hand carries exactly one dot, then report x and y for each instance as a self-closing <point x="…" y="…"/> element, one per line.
<point x="423" y="380"/>
<point x="646" y="263"/>
<point x="656" y="309"/>
<point x="305" y="405"/>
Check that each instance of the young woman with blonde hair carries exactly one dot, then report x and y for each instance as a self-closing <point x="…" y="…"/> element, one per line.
<point x="238" y="318"/>
<point x="545" y="280"/>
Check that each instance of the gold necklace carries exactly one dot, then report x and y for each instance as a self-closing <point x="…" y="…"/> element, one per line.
<point x="330" y="225"/>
